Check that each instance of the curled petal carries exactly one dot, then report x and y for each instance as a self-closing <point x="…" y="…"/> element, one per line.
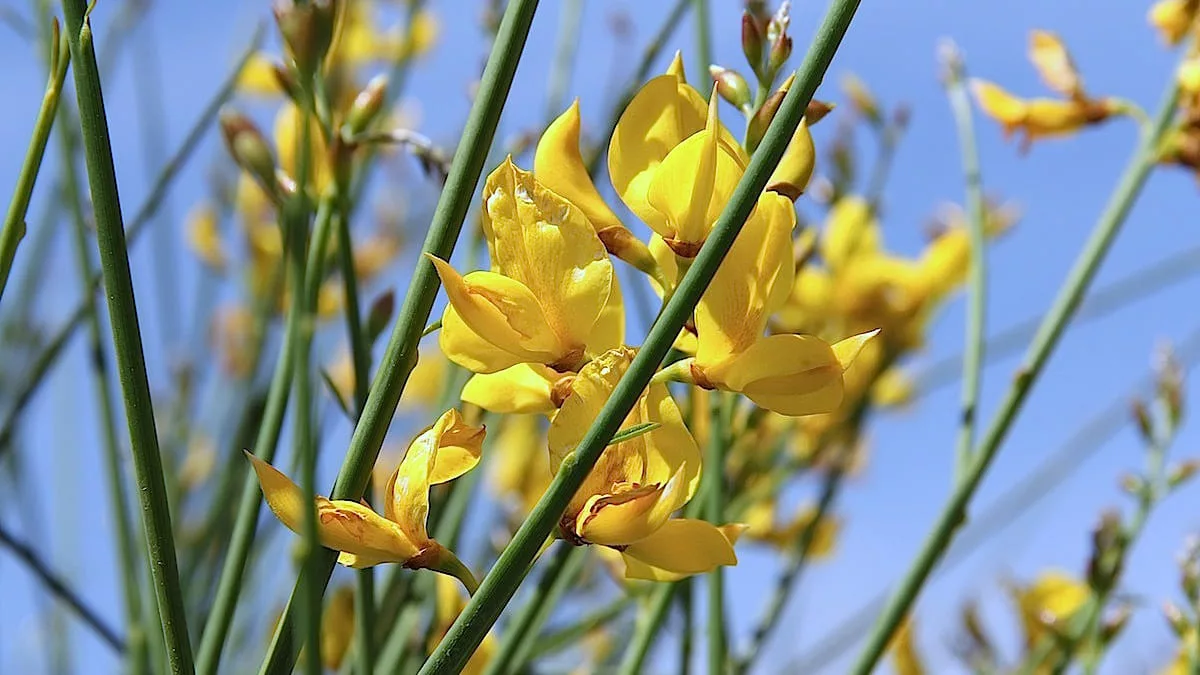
<point x="609" y="329"/>
<point x="469" y="349"/>
<point x="441" y="453"/>
<point x="1053" y="62"/>
<point x="558" y="165"/>
<point x="680" y="548"/>
<point x="630" y="516"/>
<point x="691" y="186"/>
<point x="788" y="374"/>
<point x="365" y="537"/>
<point x="523" y="389"/>
<point x="502" y="311"/>
<point x="545" y="243"/>
<point x="851" y="233"/>
<point x="795" y="169"/>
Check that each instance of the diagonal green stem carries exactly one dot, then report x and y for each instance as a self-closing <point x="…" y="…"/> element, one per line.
<point x="14" y="221"/>
<point x="565" y="49"/>
<point x="127" y="338"/>
<point x="400" y="356"/>
<point x="960" y="104"/>
<point x="649" y="619"/>
<point x="506" y="575"/>
<point x="704" y="57"/>
<point x="1044" y="342"/>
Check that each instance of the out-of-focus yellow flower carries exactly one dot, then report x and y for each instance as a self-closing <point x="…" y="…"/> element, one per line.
<point x="258" y="77"/>
<point x="199" y="461"/>
<point x="1173" y="18"/>
<point x="894" y="388"/>
<point x="906" y="660"/>
<point x="544" y="300"/>
<point x="233" y="339"/>
<point x="374" y="254"/>
<point x="337" y="627"/>
<point x="789" y="374"/>
<point x="426" y="380"/>
<point x="1048" y="603"/>
<point x="627" y="500"/>
<point x="673" y="163"/>
<point x="204" y="237"/>
<point x="449" y="603"/>
<point x="522" y="469"/>
<point x="365" y="538"/>
<point x="1181" y="664"/>
<point x="762" y="526"/>
<point x="287" y="132"/>
<point x="1189" y="76"/>
<point x="1045" y="117"/>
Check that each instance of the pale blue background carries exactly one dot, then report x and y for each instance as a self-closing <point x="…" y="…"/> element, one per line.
<point x="1060" y="185"/>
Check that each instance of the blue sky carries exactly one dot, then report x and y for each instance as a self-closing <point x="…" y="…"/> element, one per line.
<point x="1060" y="186"/>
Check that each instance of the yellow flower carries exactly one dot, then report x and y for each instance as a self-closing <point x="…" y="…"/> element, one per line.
<point x="365" y="538"/>
<point x="544" y="299"/>
<point x="258" y="77"/>
<point x="337" y="627"/>
<point x="1054" y="64"/>
<point x="761" y="526"/>
<point x="233" y="339"/>
<point x="627" y="500"/>
<point x="287" y="134"/>
<point x="1048" y="603"/>
<point x="426" y="380"/>
<point x="522" y="469"/>
<point x="1173" y="18"/>
<point x="788" y="374"/>
<point x="204" y="237"/>
<point x="673" y="163"/>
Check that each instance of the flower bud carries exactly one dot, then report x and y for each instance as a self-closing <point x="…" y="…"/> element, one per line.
<point x="380" y="315"/>
<point x="781" y="51"/>
<point x="1182" y="473"/>
<point x="366" y="106"/>
<point x="862" y="99"/>
<point x="795" y="168"/>
<point x="1141" y="415"/>
<point x="817" y="111"/>
<point x="1114" y="623"/>
<point x="1176" y="619"/>
<point x="731" y="86"/>
<point x="307" y="31"/>
<point x="752" y="42"/>
<point x="249" y="149"/>
<point x="757" y="127"/>
<point x="1132" y="484"/>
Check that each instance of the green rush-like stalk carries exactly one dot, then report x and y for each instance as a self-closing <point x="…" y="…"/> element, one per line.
<point x="566" y="46"/>
<point x="506" y="575"/>
<point x="1044" y="342"/>
<point x="127" y="338"/>
<point x="126" y="543"/>
<point x="14" y="221"/>
<point x="401" y="353"/>
<point x="960" y="104"/>
<point x="233" y="571"/>
<point x="687" y="636"/>
<point x="703" y="18"/>
<point x="723" y="407"/>
<point x="569" y="636"/>
<point x="54" y="345"/>
<point x="649" y="619"/>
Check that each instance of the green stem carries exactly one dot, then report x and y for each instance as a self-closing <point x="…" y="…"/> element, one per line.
<point x="506" y="575"/>
<point x="649" y="619"/>
<point x="571" y="635"/>
<point x="1039" y="352"/>
<point x="54" y="346"/>
<point x="14" y="221"/>
<point x="55" y="584"/>
<point x="563" y="61"/>
<point x="220" y="617"/>
<point x="127" y="339"/>
<point x="960" y="104"/>
<point x="889" y="140"/>
<point x="714" y="505"/>
<point x="687" y="593"/>
<point x="126" y="544"/>
<point x="703" y="17"/>
<point x="400" y="355"/>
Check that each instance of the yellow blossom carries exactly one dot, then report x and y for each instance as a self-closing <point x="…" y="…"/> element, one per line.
<point x="1048" y="603"/>
<point x="906" y="660"/>
<point x="544" y="299"/>
<point x="204" y="237"/>
<point x="233" y="339"/>
<point x="365" y="538"/>
<point x="521" y="469"/>
<point x="337" y="627"/>
<point x="258" y="76"/>
<point x="1173" y="18"/>
<point x="449" y="603"/>
<point x="287" y="132"/>
<point x="627" y="499"/>
<point x="761" y="525"/>
<point x="673" y="163"/>
<point x="787" y="373"/>
<point x="1037" y="117"/>
<point x="426" y="380"/>
<point x="1053" y="62"/>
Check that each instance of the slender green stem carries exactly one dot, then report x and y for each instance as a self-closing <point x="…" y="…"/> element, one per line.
<point x="1044" y="342"/>
<point x="14" y="221"/>
<point x="55" y="584"/>
<point x="569" y="636"/>
<point x="960" y="104"/>
<point x="687" y="639"/>
<point x="889" y="141"/>
<point x="220" y="617"/>
<point x="714" y="492"/>
<point x="126" y="544"/>
<point x="650" y="54"/>
<point x="704" y="56"/>
<point x="506" y="575"/>
<point x="127" y="339"/>
<point x="649" y="619"/>
<point x="54" y="346"/>
<point x="566" y="46"/>
<point x="400" y="355"/>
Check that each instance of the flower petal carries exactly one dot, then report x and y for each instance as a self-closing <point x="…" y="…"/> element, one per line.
<point x="458" y="447"/>
<point x="628" y="517"/>
<point x="523" y="389"/>
<point x="609" y="329"/>
<point x="788" y="374"/>
<point x="341" y="525"/>
<point x="558" y="165"/>
<point x="545" y="243"/>
<point x="851" y="232"/>
<point x="680" y="548"/>
<point x="503" y="311"/>
<point x="442" y="452"/>
<point x="469" y="349"/>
